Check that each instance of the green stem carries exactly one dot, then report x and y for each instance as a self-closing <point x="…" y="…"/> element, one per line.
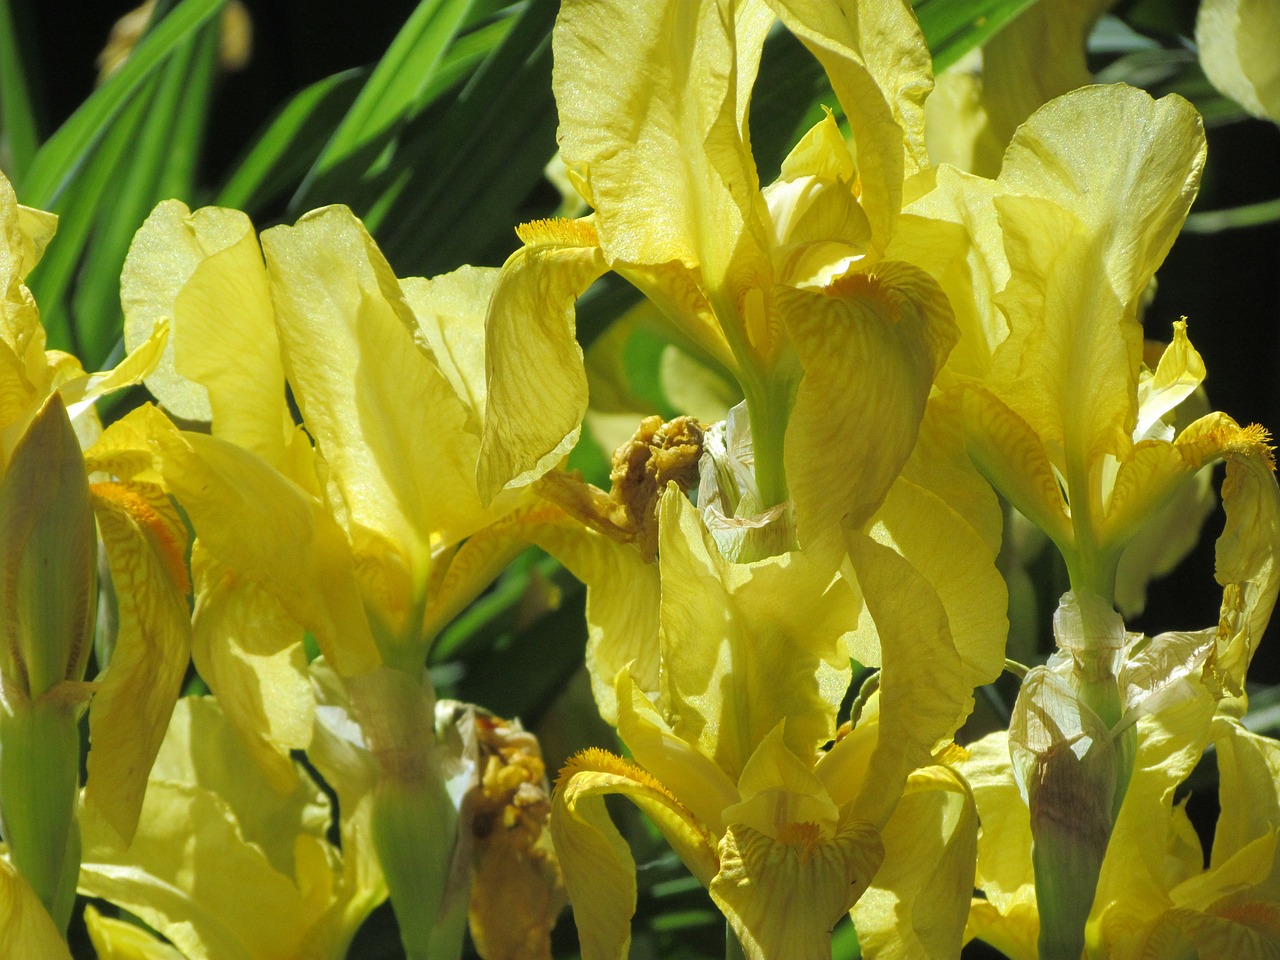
<point x="769" y="414"/>
<point x="39" y="780"/>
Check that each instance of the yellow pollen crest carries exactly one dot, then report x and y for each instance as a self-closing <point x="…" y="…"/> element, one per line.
<point x="558" y="232"/>
<point x="1254" y="440"/>
<point x="598" y="760"/>
<point x="171" y="551"/>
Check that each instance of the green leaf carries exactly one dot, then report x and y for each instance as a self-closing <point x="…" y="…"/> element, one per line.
<point x="18" y="128"/>
<point x="464" y="167"/>
<point x="952" y="29"/>
<point x="161" y="163"/>
<point x="1249" y="215"/>
<point x="395" y="91"/>
<point x="69" y="150"/>
<point x="291" y="142"/>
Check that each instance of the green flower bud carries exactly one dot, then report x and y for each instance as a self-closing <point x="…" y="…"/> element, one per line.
<point x="48" y="590"/>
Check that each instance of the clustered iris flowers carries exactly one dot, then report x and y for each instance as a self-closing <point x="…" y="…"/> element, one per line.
<point x="789" y="609"/>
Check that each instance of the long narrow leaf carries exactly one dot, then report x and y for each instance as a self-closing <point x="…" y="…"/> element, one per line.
<point x="160" y="164"/>
<point x="391" y="94"/>
<point x="291" y="142"/>
<point x="52" y="278"/>
<point x="18" y="126"/>
<point x="952" y="29"/>
<point x="70" y="148"/>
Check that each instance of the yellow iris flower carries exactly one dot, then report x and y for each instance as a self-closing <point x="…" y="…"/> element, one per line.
<point x="792" y="288"/>
<point x="729" y="760"/>
<point x="1060" y="411"/>
<point x="1155" y="895"/>
<point x="226" y="866"/>
<point x="365" y="530"/>
<point x="723" y="662"/>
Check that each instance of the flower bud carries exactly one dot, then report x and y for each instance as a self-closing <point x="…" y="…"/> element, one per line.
<point x="48" y="590"/>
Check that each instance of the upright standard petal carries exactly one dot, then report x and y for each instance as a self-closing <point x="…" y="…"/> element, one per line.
<point x="347" y="335"/>
<point x="653" y="117"/>
<point x="875" y="57"/>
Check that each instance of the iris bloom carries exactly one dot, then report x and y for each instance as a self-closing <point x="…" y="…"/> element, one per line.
<point x="1155" y="895"/>
<point x="722" y="654"/>
<point x="729" y="759"/>
<point x="143" y="658"/>
<point x="365" y="530"/>
<point x="1063" y="415"/>
<point x="790" y="288"/>
<point x="226" y="866"/>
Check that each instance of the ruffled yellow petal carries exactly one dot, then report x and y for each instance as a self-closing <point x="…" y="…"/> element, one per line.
<point x="405" y="482"/>
<point x="653" y="112"/>
<point x="1005" y="916"/>
<point x="1245" y="562"/>
<point x="217" y="864"/>
<point x="693" y="777"/>
<point x="1248" y="772"/>
<point x="165" y="252"/>
<point x="37" y="228"/>
<point x="952" y="232"/>
<point x="537" y="388"/>
<point x="1009" y="454"/>
<point x="597" y="863"/>
<point x="622" y="607"/>
<point x="298" y="553"/>
<point x="249" y="651"/>
<point x="923" y="694"/>
<point x="959" y="565"/>
<point x="450" y="311"/>
<point x="871" y="345"/>
<point x="918" y="902"/>
<point x="26" y="929"/>
<point x="145" y="543"/>
<point x="80" y="391"/>
<point x="1130" y="192"/>
<point x="875" y="57"/>
<point x="735" y="655"/>
<point x="783" y="894"/>
<point x="1236" y="41"/>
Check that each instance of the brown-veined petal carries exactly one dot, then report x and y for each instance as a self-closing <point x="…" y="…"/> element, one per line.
<point x="871" y="345"/>
<point x="145" y="544"/>
<point x="782" y="895"/>
<point x="599" y="870"/>
<point x="537" y="387"/>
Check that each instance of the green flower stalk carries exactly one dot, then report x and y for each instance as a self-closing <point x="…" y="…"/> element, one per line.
<point x="48" y="606"/>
